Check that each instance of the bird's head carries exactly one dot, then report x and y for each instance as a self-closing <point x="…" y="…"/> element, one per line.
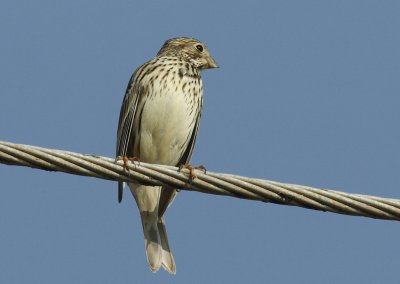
<point x="188" y="49"/>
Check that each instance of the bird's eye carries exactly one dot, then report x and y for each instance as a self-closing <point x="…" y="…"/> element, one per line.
<point x="199" y="47"/>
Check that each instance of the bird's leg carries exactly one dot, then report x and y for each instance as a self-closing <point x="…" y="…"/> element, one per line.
<point x="126" y="159"/>
<point x="191" y="169"/>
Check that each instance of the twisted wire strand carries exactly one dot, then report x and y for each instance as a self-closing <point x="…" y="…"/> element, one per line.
<point x="212" y="183"/>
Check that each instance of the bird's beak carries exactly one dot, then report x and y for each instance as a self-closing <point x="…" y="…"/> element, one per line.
<point x="211" y="63"/>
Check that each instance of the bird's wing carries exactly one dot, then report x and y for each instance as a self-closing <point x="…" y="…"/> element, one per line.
<point x="125" y="137"/>
<point x="126" y="117"/>
<point x="189" y="149"/>
<point x="168" y="193"/>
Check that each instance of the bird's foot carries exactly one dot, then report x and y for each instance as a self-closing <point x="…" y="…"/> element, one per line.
<point x="126" y="160"/>
<point x="191" y="169"/>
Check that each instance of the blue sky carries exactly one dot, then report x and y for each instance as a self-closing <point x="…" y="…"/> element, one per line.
<point x="307" y="93"/>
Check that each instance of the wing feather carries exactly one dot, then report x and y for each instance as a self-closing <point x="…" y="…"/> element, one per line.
<point x="125" y="124"/>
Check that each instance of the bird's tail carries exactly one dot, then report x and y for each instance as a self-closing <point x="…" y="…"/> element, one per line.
<point x="156" y="242"/>
<point x="167" y="259"/>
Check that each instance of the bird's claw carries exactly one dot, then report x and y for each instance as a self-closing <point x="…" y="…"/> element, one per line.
<point x="126" y="160"/>
<point x="191" y="169"/>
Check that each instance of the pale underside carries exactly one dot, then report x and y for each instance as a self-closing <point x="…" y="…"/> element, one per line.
<point x="167" y="122"/>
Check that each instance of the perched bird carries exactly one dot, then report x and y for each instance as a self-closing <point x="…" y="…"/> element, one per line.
<point x="158" y="123"/>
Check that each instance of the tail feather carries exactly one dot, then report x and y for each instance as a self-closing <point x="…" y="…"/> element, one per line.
<point x="153" y="244"/>
<point x="156" y="242"/>
<point x="121" y="186"/>
<point x="167" y="259"/>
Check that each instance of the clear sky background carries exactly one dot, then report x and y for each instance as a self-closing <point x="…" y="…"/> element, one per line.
<point x="308" y="92"/>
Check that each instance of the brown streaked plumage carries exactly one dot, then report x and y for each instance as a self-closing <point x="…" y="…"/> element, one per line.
<point x="158" y="123"/>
